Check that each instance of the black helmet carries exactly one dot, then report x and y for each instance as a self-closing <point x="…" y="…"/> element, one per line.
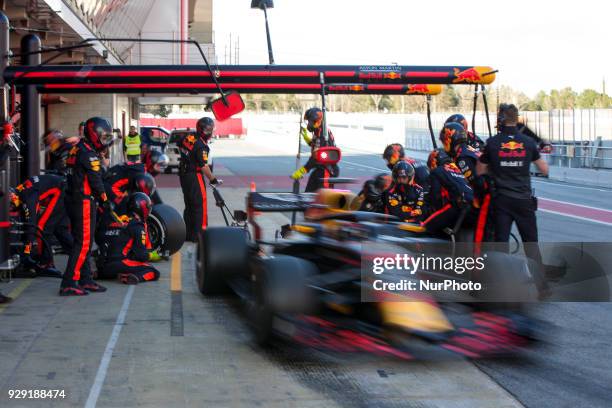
<point x="458" y="118"/>
<point x="392" y="154"/>
<point x="382" y="181"/>
<point x="451" y="135"/>
<point x="15" y="200"/>
<point x="140" y="204"/>
<point x="144" y="183"/>
<point x="314" y="117"/>
<point x="99" y="132"/>
<point x="157" y="162"/>
<point x="403" y="169"/>
<point x="205" y="127"/>
<point x="437" y="158"/>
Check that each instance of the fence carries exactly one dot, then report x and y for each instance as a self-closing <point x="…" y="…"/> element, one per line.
<point x="580" y="137"/>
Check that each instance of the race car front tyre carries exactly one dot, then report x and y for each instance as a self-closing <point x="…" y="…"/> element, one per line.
<point x="166" y="229"/>
<point x="223" y="253"/>
<point x="280" y="286"/>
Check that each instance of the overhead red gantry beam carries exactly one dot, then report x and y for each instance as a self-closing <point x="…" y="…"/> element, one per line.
<point x="419" y="80"/>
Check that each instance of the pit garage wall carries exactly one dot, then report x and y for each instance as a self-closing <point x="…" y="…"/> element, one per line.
<point x="119" y="109"/>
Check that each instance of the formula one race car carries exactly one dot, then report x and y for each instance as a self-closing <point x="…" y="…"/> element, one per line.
<point x="311" y="287"/>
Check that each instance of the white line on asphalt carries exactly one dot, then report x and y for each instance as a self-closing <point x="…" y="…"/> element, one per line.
<point x="364" y="166"/>
<point x="576" y="217"/>
<point x="561" y="184"/>
<point x="96" y="388"/>
<point x="577" y="205"/>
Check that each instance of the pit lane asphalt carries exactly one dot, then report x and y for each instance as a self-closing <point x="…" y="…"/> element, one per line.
<point x="572" y="367"/>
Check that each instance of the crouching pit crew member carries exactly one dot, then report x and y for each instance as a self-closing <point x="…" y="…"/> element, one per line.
<point x="127" y="254"/>
<point x="85" y="183"/>
<point x="320" y="173"/>
<point x="40" y="200"/>
<point x="449" y="192"/>
<point x="371" y="194"/>
<point x="404" y="199"/>
<point x="506" y="158"/>
<point x="193" y="169"/>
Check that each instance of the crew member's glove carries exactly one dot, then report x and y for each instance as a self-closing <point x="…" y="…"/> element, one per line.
<point x="304" y="133"/>
<point x="110" y="209"/>
<point x="154" y="256"/>
<point x="216" y="182"/>
<point x="299" y="173"/>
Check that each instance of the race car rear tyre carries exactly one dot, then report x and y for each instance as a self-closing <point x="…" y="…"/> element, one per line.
<point x="223" y="253"/>
<point x="166" y="229"/>
<point x="584" y="277"/>
<point x="280" y="287"/>
<point x="508" y="281"/>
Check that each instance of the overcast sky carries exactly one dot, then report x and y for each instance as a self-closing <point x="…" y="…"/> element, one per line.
<point x="536" y="44"/>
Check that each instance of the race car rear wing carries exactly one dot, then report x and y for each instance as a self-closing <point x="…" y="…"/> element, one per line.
<point x="279" y="202"/>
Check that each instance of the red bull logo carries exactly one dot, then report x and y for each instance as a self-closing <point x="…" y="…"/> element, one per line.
<point x="418" y="89"/>
<point x="468" y="76"/>
<point x="512" y="149"/>
<point x="512" y="145"/>
<point x="392" y="75"/>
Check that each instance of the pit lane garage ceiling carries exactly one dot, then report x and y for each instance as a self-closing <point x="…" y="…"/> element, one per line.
<point x="65" y="22"/>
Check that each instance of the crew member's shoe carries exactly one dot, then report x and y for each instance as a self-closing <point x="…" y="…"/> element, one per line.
<point x="5" y="299"/>
<point x="129" y="279"/>
<point x="554" y="273"/>
<point x="92" y="286"/>
<point x="49" y="271"/>
<point x="72" y="290"/>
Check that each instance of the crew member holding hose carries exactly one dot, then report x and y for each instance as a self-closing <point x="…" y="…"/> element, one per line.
<point x="320" y="173"/>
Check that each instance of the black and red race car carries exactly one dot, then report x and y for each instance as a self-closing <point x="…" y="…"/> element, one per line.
<point x="312" y="287"/>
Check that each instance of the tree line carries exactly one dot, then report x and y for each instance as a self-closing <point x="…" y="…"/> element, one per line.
<point x="452" y="98"/>
<point x="459" y="98"/>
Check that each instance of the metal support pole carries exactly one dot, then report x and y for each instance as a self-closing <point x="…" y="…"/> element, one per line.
<point x="30" y="110"/>
<point x="323" y="106"/>
<point x="4" y="162"/>
<point x="270" y="56"/>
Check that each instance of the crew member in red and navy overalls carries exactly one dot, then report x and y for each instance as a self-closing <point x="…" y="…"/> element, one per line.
<point x="454" y="141"/>
<point x="193" y="169"/>
<point x="85" y="183"/>
<point x="320" y="172"/>
<point x="404" y="199"/>
<point x="449" y="192"/>
<point x="127" y="255"/>
<point x="40" y="200"/>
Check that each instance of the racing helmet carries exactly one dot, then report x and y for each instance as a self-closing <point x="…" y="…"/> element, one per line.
<point x="451" y="135"/>
<point x="403" y="169"/>
<point x="99" y="132"/>
<point x="53" y="140"/>
<point x="458" y="118"/>
<point x="157" y="162"/>
<point x="15" y="200"/>
<point x="382" y="181"/>
<point x="205" y="127"/>
<point x="144" y="183"/>
<point x="392" y="154"/>
<point x="314" y="117"/>
<point x="437" y="157"/>
<point x="140" y="204"/>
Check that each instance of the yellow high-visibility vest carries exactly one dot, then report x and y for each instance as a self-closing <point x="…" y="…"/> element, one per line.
<point x="132" y="145"/>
